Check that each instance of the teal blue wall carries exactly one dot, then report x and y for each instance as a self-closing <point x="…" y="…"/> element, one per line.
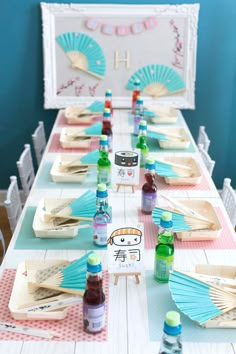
<point x="21" y="81"/>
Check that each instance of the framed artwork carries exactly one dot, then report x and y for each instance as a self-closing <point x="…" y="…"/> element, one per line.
<point x="90" y="48"/>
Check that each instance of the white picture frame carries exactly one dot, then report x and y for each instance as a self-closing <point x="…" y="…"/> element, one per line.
<point x="61" y="18"/>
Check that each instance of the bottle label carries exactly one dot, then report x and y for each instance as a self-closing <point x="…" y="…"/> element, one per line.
<point x="104" y="175"/>
<point x="100" y="234"/>
<point x="143" y="157"/>
<point x="94" y="317"/>
<point x="110" y="142"/>
<point x="137" y="120"/>
<point x="163" y="265"/>
<point x="148" y="201"/>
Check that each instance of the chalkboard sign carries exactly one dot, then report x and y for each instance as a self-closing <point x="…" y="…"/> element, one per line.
<point x="90" y="48"/>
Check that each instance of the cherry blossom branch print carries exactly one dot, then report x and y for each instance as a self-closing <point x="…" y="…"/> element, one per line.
<point x="178" y="48"/>
<point x="78" y="90"/>
<point x="92" y="89"/>
<point x="68" y="84"/>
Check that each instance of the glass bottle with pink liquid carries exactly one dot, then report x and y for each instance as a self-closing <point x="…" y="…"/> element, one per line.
<point x="94" y="309"/>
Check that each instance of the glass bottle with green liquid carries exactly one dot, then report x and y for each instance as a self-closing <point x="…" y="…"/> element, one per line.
<point x="164" y="251"/>
<point x="103" y="163"/>
<point x="142" y="142"/>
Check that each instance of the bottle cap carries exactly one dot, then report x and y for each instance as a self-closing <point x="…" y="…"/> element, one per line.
<point x="136" y="82"/>
<point x="150" y="164"/>
<point x="108" y="92"/>
<point x="139" y="99"/>
<point x="106" y="112"/>
<point x="143" y="125"/>
<point x="166" y="219"/>
<point x="172" y="324"/>
<point x="94" y="263"/>
<point x="101" y="190"/>
<point x="103" y="140"/>
<point x="166" y="216"/>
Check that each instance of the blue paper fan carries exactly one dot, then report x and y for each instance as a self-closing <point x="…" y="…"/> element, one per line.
<point x="165" y="169"/>
<point x="82" y="208"/>
<point x="156" y="135"/>
<point x="157" y="80"/>
<point x="84" y="53"/>
<point x="71" y="279"/>
<point x="95" y="129"/>
<point x="181" y="222"/>
<point x="90" y="158"/>
<point x="198" y="300"/>
<point x="96" y="107"/>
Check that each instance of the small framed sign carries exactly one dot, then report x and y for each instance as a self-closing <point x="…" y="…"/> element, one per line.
<point x="125" y="245"/>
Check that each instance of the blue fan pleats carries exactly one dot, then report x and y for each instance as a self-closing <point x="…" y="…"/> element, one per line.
<point x="86" y="45"/>
<point x="157" y="73"/>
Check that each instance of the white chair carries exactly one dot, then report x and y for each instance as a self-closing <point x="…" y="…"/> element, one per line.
<point x="209" y="163"/>
<point x="26" y="170"/>
<point x="2" y="240"/>
<point x="203" y="138"/>
<point x="39" y="141"/>
<point x="13" y="203"/>
<point x="228" y="197"/>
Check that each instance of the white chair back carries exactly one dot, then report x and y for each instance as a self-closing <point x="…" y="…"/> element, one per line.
<point x="13" y="203"/>
<point x="203" y="138"/>
<point x="26" y="170"/>
<point x="228" y="197"/>
<point x="39" y="141"/>
<point x="209" y="163"/>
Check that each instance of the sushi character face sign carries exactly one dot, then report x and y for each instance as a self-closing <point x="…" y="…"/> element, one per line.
<point x="125" y="247"/>
<point x="125" y="237"/>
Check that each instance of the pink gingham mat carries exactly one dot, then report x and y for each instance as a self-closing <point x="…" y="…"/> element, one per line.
<point x="226" y="240"/>
<point x="62" y="122"/>
<point x="69" y="329"/>
<point x="55" y="146"/>
<point x="160" y="183"/>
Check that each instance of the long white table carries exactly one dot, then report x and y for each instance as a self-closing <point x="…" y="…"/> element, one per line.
<point x="128" y="323"/>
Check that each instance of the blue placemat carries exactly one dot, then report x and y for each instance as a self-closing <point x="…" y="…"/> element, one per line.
<point x="160" y="301"/>
<point x="154" y="146"/>
<point x="27" y="240"/>
<point x="45" y="181"/>
<point x="179" y="122"/>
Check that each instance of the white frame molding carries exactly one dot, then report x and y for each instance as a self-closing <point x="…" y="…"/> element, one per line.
<point x="50" y="11"/>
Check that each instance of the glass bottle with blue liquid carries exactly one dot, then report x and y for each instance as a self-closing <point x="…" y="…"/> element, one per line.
<point x="138" y="115"/>
<point x="101" y="217"/>
<point x="171" y="340"/>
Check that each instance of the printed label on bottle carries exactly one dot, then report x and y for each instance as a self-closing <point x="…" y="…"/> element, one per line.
<point x="110" y="142"/>
<point x="143" y="157"/>
<point x="163" y="265"/>
<point x="148" y="201"/>
<point x="137" y="120"/>
<point x="100" y="234"/>
<point x="94" y="317"/>
<point x="104" y="176"/>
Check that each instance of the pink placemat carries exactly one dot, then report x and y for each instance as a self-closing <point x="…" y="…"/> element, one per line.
<point x="226" y="239"/>
<point x="62" y="122"/>
<point x="160" y="183"/>
<point x="55" y="146"/>
<point x="69" y="329"/>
